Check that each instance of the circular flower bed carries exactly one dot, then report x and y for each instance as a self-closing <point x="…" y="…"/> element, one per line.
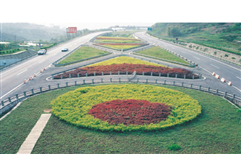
<point x="131" y="111"/>
<point x="74" y="106"/>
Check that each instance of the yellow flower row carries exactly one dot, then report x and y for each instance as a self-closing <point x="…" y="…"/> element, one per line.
<point x="124" y="59"/>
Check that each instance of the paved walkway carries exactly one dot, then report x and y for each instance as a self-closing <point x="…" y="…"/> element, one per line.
<point x="31" y="140"/>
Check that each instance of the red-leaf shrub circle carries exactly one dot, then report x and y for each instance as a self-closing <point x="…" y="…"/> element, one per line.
<point x="130" y="111"/>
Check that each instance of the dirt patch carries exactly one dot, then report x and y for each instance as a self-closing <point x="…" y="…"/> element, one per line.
<point x="215" y="53"/>
<point x="47" y="110"/>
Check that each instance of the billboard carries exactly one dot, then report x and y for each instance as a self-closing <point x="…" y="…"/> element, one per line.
<point x="72" y="30"/>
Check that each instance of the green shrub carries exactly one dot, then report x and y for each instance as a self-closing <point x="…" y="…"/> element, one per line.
<point x="226" y="55"/>
<point x="233" y="58"/>
<point x="174" y="147"/>
<point x="215" y="52"/>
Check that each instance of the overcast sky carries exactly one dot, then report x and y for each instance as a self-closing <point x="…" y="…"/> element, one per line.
<point x="95" y="14"/>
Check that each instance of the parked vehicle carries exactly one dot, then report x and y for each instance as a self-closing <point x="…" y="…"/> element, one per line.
<point x="42" y="52"/>
<point x="65" y="49"/>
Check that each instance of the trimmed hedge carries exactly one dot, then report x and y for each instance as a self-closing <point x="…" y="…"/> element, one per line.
<point x="73" y="106"/>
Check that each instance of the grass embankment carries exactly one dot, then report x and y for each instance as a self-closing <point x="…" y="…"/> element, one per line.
<point x="222" y="36"/>
<point x="216" y="130"/>
<point x="82" y="53"/>
<point x="161" y="53"/>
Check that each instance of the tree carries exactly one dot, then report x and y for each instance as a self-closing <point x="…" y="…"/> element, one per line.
<point x="173" y="32"/>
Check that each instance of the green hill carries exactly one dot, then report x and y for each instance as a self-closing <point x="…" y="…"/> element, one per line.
<point x="222" y="36"/>
<point x="29" y="32"/>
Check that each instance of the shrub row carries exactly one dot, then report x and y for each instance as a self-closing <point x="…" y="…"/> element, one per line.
<point x="121" y="44"/>
<point x="116" y="38"/>
<point x="9" y="51"/>
<point x="124" y="59"/>
<point x="123" y="68"/>
<point x="130" y="111"/>
<point x="73" y="106"/>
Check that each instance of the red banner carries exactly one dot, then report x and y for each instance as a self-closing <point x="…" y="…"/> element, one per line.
<point x="72" y="29"/>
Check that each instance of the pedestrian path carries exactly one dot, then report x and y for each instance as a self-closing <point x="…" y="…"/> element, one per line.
<point x="31" y="140"/>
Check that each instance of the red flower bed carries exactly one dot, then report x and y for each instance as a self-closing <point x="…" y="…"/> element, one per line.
<point x="136" y="112"/>
<point x="139" y="68"/>
<point x="120" y="43"/>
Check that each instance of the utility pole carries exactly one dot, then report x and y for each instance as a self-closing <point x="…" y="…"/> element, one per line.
<point x="67" y="33"/>
<point x="1" y="32"/>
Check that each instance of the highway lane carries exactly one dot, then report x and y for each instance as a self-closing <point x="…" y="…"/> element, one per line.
<point x="228" y="71"/>
<point x="13" y="78"/>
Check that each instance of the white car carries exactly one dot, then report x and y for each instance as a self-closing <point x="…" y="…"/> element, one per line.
<point x="65" y="49"/>
<point x="42" y="51"/>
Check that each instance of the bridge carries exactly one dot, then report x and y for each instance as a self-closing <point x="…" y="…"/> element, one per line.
<point x="128" y="27"/>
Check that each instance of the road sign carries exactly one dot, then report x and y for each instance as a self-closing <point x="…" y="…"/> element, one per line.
<point x="72" y="30"/>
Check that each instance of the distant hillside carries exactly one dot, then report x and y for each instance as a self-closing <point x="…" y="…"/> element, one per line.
<point x="223" y="36"/>
<point x="10" y="37"/>
<point x="30" y="32"/>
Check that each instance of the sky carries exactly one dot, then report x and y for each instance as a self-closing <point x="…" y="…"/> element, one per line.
<point x="97" y="14"/>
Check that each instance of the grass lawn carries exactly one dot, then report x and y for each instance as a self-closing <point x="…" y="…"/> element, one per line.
<point x="161" y="53"/>
<point x="216" y="130"/>
<point x="82" y="53"/>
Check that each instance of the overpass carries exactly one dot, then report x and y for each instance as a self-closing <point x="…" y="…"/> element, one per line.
<point x="128" y="27"/>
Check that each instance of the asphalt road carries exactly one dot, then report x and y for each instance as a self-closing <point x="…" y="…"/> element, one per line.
<point x="13" y="78"/>
<point x="225" y="70"/>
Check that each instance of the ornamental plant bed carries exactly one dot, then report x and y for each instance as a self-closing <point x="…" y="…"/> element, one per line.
<point x="116" y="38"/>
<point x="121" y="44"/>
<point x="123" y="68"/>
<point x="130" y="111"/>
<point x="124" y="59"/>
<point x="74" y="107"/>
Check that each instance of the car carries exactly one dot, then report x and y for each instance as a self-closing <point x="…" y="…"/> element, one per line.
<point x="42" y="52"/>
<point x="65" y="49"/>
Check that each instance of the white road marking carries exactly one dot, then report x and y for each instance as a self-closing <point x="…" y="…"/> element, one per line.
<point x="196" y="58"/>
<point x="22" y="72"/>
<point x="215" y="66"/>
<point x="205" y="69"/>
<point x="237" y="88"/>
<point x="11" y="90"/>
<point x="238" y="77"/>
<point x="21" y="65"/>
<point x="41" y="61"/>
